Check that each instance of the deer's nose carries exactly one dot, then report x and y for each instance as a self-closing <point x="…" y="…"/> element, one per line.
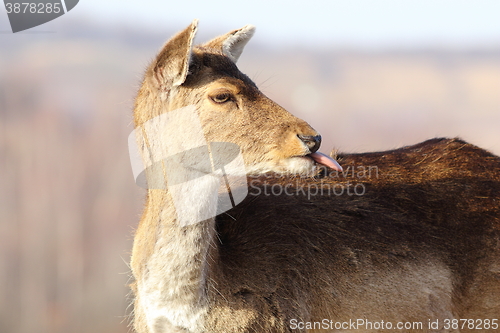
<point x="312" y="142"/>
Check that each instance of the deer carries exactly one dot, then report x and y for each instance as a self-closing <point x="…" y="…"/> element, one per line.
<point x="400" y="240"/>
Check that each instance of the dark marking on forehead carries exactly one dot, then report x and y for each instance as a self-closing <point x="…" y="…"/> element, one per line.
<point x="213" y="66"/>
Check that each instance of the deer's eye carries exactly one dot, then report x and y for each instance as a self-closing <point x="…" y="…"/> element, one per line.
<point x="222" y="97"/>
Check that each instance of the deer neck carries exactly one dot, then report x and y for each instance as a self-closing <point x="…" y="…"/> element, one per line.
<point x="173" y="283"/>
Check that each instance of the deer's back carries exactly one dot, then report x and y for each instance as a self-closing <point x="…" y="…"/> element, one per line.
<point x="418" y="238"/>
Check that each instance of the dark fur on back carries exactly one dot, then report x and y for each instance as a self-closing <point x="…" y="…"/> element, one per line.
<point x="437" y="201"/>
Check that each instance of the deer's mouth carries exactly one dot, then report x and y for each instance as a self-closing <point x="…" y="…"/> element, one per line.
<point x="298" y="164"/>
<point x="325" y="160"/>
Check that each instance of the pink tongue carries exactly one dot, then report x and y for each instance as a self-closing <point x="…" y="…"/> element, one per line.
<point x="325" y="160"/>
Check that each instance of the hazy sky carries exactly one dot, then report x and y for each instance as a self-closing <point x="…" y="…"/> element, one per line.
<point x="355" y="22"/>
<point x="369" y="23"/>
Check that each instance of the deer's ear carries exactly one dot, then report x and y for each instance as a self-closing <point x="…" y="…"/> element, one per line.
<point x="170" y="68"/>
<point x="232" y="43"/>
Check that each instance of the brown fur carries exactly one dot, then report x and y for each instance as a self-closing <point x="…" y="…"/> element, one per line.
<point x="421" y="243"/>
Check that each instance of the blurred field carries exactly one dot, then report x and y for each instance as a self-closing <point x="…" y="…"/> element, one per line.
<point x="68" y="203"/>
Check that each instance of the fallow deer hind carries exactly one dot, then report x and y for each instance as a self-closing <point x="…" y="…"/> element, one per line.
<point x="415" y="244"/>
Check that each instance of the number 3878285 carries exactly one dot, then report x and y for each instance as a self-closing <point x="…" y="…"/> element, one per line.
<point x="33" y="8"/>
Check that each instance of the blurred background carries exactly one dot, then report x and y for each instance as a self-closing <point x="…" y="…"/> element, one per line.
<point x="369" y="75"/>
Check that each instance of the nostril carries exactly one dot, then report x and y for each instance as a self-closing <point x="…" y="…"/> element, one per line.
<point x="312" y="142"/>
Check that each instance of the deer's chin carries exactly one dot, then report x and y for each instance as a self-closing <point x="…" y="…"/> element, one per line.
<point x="297" y="165"/>
<point x="300" y="165"/>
